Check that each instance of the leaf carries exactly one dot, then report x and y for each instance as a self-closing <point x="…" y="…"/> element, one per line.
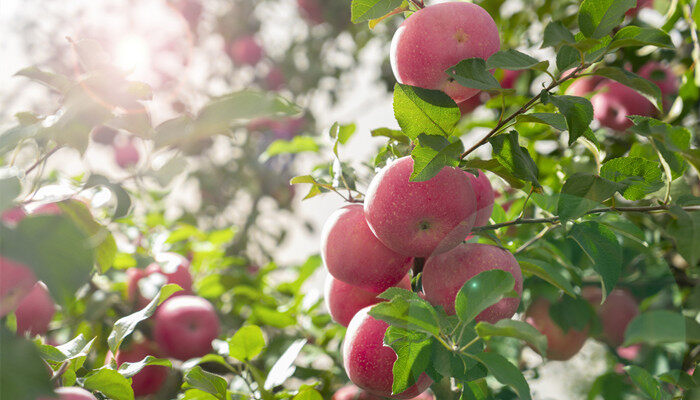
<point x="365" y="10"/>
<point x="78" y="347"/>
<point x="583" y="192"/>
<point x="342" y="133"/>
<point x="685" y="231"/>
<point x="515" y="329"/>
<point x="515" y="158"/>
<point x="567" y="57"/>
<point x="419" y="110"/>
<point x="472" y="73"/>
<point x="547" y="272"/>
<point x="413" y="352"/>
<point x="481" y="292"/>
<point x="641" y="176"/>
<point x="123" y="200"/>
<point x="110" y="383"/>
<point x="22" y="373"/>
<point x="206" y="382"/>
<point x="514" y="60"/>
<point x="638" y="36"/>
<point x="391" y="134"/>
<point x="678" y="378"/>
<point x="284" y="366"/>
<point x="129" y="369"/>
<point x="572" y="313"/>
<point x="494" y="166"/>
<point x="57" y="82"/>
<point x="10" y="187"/>
<point x="658" y="327"/>
<point x="407" y="310"/>
<point x="432" y="154"/>
<point x="671" y="141"/>
<point x="125" y="325"/>
<point x="555" y="120"/>
<point x="106" y="247"/>
<point x="632" y="80"/>
<point x="597" y="18"/>
<point x="600" y="244"/>
<point x="647" y="383"/>
<point x="505" y="372"/>
<point x="577" y="111"/>
<point x="308" y="393"/>
<point x="246" y="343"/>
<point x="299" y="144"/>
<point x="556" y="34"/>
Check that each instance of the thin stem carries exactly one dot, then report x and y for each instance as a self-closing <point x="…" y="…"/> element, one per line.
<point x="667" y="171"/>
<point x="42" y="159"/>
<point x="466" y="346"/>
<point x="418" y="4"/>
<point x="536" y="237"/>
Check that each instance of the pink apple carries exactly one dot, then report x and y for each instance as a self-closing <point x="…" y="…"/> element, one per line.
<point x="560" y="346"/>
<point x="35" y="311"/>
<point x="445" y="274"/>
<point x="13" y="215"/>
<point x="355" y="256"/>
<point x="619" y="309"/>
<point x="663" y="77"/>
<point x="509" y="78"/>
<point x="630" y="352"/>
<point x="169" y="268"/>
<point x="640" y="4"/>
<point x="484" y="198"/>
<point x="418" y="219"/>
<point x="48" y="209"/>
<point x="287" y="128"/>
<point x="104" y="135"/>
<point x="185" y="327"/>
<point x="151" y="377"/>
<point x="436" y="38"/>
<point x="126" y="155"/>
<point x="71" y="393"/>
<point x="311" y="11"/>
<point x="469" y="105"/>
<point x="584" y="85"/>
<point x="246" y="51"/>
<point x="614" y="102"/>
<point x="16" y="281"/>
<point x="369" y="363"/>
<point x="275" y="79"/>
<point x="343" y="301"/>
<point x="352" y="392"/>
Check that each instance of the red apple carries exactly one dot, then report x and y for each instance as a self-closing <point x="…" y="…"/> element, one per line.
<point x="663" y="77"/>
<point x="275" y="80"/>
<point x="185" y="327"/>
<point x="16" y="281"/>
<point x="143" y="285"/>
<point x="104" y="135"/>
<point x="47" y="209"/>
<point x="369" y="363"/>
<point x="35" y="311"/>
<point x="71" y="393"/>
<point x="12" y="216"/>
<point x="584" y="85"/>
<point x="630" y="352"/>
<point x="561" y="345"/>
<point x="469" y="105"/>
<point x="619" y="309"/>
<point x="246" y="51"/>
<point x="150" y="378"/>
<point x="311" y="11"/>
<point x="355" y="256"/>
<point x="126" y="155"/>
<point x="436" y="38"/>
<point x="344" y="301"/>
<point x="509" y="78"/>
<point x="445" y="274"/>
<point x="287" y="128"/>
<point x="352" y="392"/>
<point x="484" y="198"/>
<point x="640" y="4"/>
<point x="615" y="102"/>
<point x="418" y="219"/>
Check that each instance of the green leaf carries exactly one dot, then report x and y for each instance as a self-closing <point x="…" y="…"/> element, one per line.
<point x="419" y="110"/>
<point x="342" y="133"/>
<point x="494" y="166"/>
<point x="600" y="244"/>
<point x="473" y="73"/>
<point x="641" y="176"/>
<point x="81" y="112"/>
<point x="515" y="329"/>
<point x="308" y="393"/>
<point x="481" y="292"/>
<point x="391" y="134"/>
<point x="572" y="313"/>
<point x="106" y="247"/>
<point x="633" y="81"/>
<point x="365" y="10"/>
<point x="567" y="57"/>
<point x="78" y="347"/>
<point x="110" y="383"/>
<point x="658" y="327"/>
<point x="555" y="120"/>
<point x="505" y="372"/>
<point x="637" y="36"/>
<point x="246" y="343"/>
<point x="671" y="141"/>
<point x="647" y="383"/>
<point x="10" y="187"/>
<point x="284" y="366"/>
<point x="299" y="144"/>
<point x="129" y="369"/>
<point x="432" y="154"/>
<point x="22" y="373"/>
<point x="583" y="192"/>
<point x="407" y="310"/>
<point x="57" y="82"/>
<point x="514" y="60"/>
<point x="125" y="325"/>
<point x="597" y="18"/>
<point x="556" y="34"/>
<point x="207" y="382"/>
<point x="685" y="231"/>
<point x="679" y="378"/>
<point x="547" y="272"/>
<point x="123" y="200"/>
<point x="515" y="158"/>
<point x="577" y="111"/>
<point x="413" y="350"/>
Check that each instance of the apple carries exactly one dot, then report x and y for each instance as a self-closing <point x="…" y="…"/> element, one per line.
<point x="48" y="209"/>
<point x="16" y="281"/>
<point x="151" y="377"/>
<point x="287" y="128"/>
<point x="13" y="215"/>
<point x="311" y="11"/>
<point x="35" y="311"/>
<point x="143" y="285"/>
<point x="418" y="219"/>
<point x="104" y="135"/>
<point x="509" y="78"/>
<point x="619" y="309"/>
<point x="438" y="37"/>
<point x="352" y="392"/>
<point x="663" y="77"/>
<point x="630" y="352"/>
<point x="275" y="79"/>
<point x="126" y="155"/>
<point x="191" y="11"/>
<point x="445" y="274"/>
<point x="246" y="51"/>
<point x="343" y="301"/>
<point x="561" y="345"/>
<point x="469" y="105"/>
<point x="614" y="102"/>
<point x="71" y="393"/>
<point x="369" y="363"/>
<point x="355" y="256"/>
<point x="584" y="85"/>
<point x="484" y="197"/>
<point x="185" y="327"/>
<point x="640" y="4"/>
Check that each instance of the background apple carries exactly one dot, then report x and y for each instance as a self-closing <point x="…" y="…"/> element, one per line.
<point x="35" y="311"/>
<point x="615" y="314"/>
<point x="12" y="216"/>
<point x="344" y="300"/>
<point x="17" y="281"/>
<point x="484" y="197"/>
<point x="246" y="51"/>
<point x="143" y="285"/>
<point x="615" y="102"/>
<point x="151" y="377"/>
<point x="561" y="345"/>
<point x="104" y="135"/>
<point x="311" y="11"/>
<point x="125" y="154"/>
<point x="185" y="327"/>
<point x="71" y="393"/>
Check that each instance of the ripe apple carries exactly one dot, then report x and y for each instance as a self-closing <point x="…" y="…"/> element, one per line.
<point x="246" y="51"/>
<point x="663" y="77"/>
<point x="35" y="311"/>
<point x="561" y="345"/>
<point x="630" y="352"/>
<point x="143" y="285"/>
<point x="418" y="219"/>
<point x="275" y="79"/>
<point x="437" y="37"/>
<point x="126" y="154"/>
<point x="584" y="85"/>
<point x="104" y="135"/>
<point x="469" y="105"/>
<point x="47" y="209"/>
<point x="369" y="363"/>
<point x="509" y="78"/>
<point x="615" y="314"/>
<point x="352" y="392"/>
<point x="185" y="327"/>
<point x="150" y="378"/>
<point x="615" y="102"/>
<point x="71" y="393"/>
<point x="355" y="256"/>
<point x="287" y="128"/>
<point x="484" y="197"/>
<point x="311" y="11"/>
<point x="13" y="215"/>
<point x="343" y="301"/>
<point x="640" y="4"/>
<point x="445" y="274"/>
<point x="16" y="281"/>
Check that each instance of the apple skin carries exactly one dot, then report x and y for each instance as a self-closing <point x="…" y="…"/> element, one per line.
<point x="484" y="197"/>
<point x="355" y="256"/>
<point x="418" y="219"/>
<point x="275" y="79"/>
<point x="179" y="274"/>
<point x="560" y="346"/>
<point x="246" y="51"/>
<point x="438" y="37"/>
<point x="343" y="301"/>
<point x="151" y="377"/>
<point x="13" y="215"/>
<point x="104" y="135"/>
<point x="630" y="352"/>
<point x="615" y="102"/>
<point x="352" y="392"/>
<point x="311" y="11"/>
<point x="126" y="155"/>
<point x="640" y="4"/>
<point x="669" y="84"/>
<point x="509" y="78"/>
<point x="35" y="311"/>
<point x="469" y="105"/>
<point x="48" y="209"/>
<point x="584" y="85"/>
<point x="71" y="393"/>
<point x="615" y="314"/>
<point x="445" y="274"/>
<point x="369" y="363"/>
<point x="185" y="327"/>
<point x="17" y="281"/>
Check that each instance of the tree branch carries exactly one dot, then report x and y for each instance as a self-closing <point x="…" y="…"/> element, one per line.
<point x="42" y="159"/>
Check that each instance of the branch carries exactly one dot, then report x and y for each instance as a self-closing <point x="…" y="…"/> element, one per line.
<point x="42" y="159"/>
